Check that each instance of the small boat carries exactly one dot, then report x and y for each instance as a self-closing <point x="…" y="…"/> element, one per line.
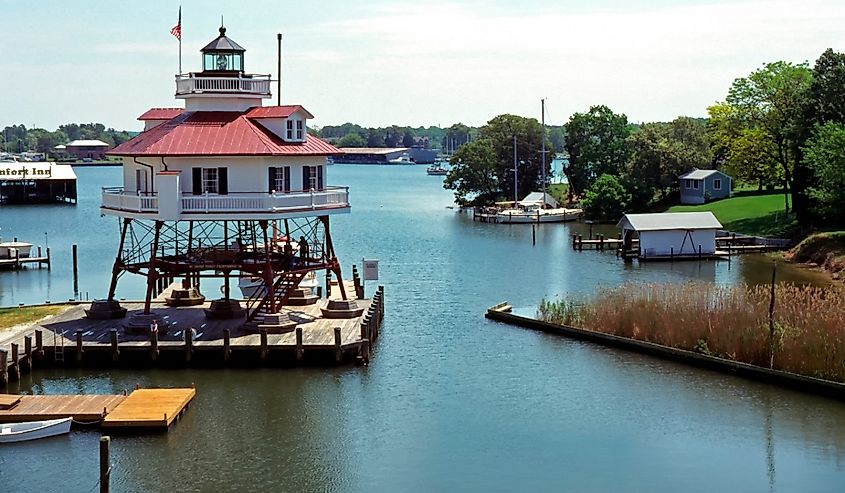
<point x="250" y="285"/>
<point x="403" y="159"/>
<point x="537" y="207"/>
<point x="537" y="215"/>
<point x="32" y="430"/>
<point x="13" y="249"/>
<point x="436" y="170"/>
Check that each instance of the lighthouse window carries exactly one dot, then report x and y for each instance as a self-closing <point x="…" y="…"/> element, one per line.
<point x="209" y="180"/>
<point x="299" y="130"/>
<point x="290" y="130"/>
<point x="280" y="179"/>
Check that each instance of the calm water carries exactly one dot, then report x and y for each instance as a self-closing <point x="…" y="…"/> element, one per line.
<point x="450" y="400"/>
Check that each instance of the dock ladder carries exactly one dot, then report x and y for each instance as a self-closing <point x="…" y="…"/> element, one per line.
<point x="59" y="350"/>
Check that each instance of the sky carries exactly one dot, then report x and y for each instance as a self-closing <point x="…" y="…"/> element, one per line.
<point x="418" y="63"/>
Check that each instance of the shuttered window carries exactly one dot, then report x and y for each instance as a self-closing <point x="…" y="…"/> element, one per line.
<point x="279" y="179"/>
<point x="210" y="180"/>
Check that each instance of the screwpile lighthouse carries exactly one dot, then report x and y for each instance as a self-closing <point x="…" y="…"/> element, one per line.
<point x="228" y="188"/>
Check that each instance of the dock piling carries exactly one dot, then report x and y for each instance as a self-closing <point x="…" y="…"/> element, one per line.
<point x="189" y="343"/>
<point x="27" y="352"/>
<point x="262" y="333"/>
<point x="39" y="344"/>
<point x="154" y="345"/>
<point x="74" y="253"/>
<point x="227" y="349"/>
<point x="105" y="467"/>
<point x="115" y="352"/>
<point x="14" y="370"/>
<point x="338" y="351"/>
<point x="4" y="378"/>
<point x="300" y="352"/>
<point x="79" y="346"/>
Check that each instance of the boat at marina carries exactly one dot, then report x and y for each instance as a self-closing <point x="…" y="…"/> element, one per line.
<point x="405" y="158"/>
<point x="537" y="207"/>
<point x="436" y="170"/>
<point x="33" y="430"/>
<point x="15" y="249"/>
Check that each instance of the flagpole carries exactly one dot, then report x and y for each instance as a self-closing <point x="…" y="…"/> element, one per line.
<point x="180" y="40"/>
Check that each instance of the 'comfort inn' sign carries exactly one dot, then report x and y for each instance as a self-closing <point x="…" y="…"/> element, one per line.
<point x="25" y="171"/>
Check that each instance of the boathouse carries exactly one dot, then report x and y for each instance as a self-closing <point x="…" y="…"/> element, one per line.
<point x="669" y="235"/>
<point x="703" y="185"/>
<point x="31" y="182"/>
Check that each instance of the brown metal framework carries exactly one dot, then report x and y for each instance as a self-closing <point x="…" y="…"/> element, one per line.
<point x="280" y="252"/>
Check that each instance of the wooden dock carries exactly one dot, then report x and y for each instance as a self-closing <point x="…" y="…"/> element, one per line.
<point x="187" y="338"/>
<point x="17" y="262"/>
<point x="143" y="408"/>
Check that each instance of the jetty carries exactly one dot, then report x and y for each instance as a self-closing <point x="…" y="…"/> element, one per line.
<point x="148" y="409"/>
<point x="186" y="337"/>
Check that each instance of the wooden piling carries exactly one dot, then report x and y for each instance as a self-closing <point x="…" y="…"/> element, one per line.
<point x="300" y="352"/>
<point x="79" y="346"/>
<point x="262" y="334"/>
<point x="27" y="353"/>
<point x="154" y="345"/>
<point x="75" y="264"/>
<point x="4" y="378"/>
<point x="105" y="466"/>
<point x="39" y="344"/>
<point x="115" y="352"/>
<point x="227" y="344"/>
<point x="338" y="351"/>
<point x="365" y="351"/>
<point x="48" y="258"/>
<point x="189" y="343"/>
<point x="14" y="369"/>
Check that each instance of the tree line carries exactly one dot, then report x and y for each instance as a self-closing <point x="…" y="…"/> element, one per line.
<point x="18" y="138"/>
<point x="781" y="126"/>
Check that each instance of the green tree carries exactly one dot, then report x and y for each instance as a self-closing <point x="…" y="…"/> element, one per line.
<point x="606" y="199"/>
<point x="824" y="155"/>
<point x="374" y="138"/>
<point x="352" y="140"/>
<point x="455" y="136"/>
<point x="474" y="173"/>
<point x="500" y="131"/>
<point x="597" y="144"/>
<point x="772" y="100"/>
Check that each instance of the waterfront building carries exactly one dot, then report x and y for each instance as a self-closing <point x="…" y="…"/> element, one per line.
<point x="36" y="182"/>
<point x="703" y="185"/>
<point x="670" y="234"/>
<point x="87" y="149"/>
<point x="223" y="187"/>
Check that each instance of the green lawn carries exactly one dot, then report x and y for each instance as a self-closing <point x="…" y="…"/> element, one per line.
<point x="760" y="215"/>
<point x="558" y="191"/>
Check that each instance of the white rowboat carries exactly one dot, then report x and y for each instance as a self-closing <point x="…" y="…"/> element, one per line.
<point x="31" y="430"/>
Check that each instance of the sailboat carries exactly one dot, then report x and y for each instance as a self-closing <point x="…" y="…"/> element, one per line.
<point x="537" y="207"/>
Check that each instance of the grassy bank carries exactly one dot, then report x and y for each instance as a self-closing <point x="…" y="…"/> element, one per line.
<point x="827" y="250"/>
<point x="759" y="215"/>
<point x="9" y="317"/>
<point x="729" y="322"/>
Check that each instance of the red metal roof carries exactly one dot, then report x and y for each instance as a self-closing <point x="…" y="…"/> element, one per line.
<point x="161" y="113"/>
<point x="217" y="133"/>
<point x="276" y="111"/>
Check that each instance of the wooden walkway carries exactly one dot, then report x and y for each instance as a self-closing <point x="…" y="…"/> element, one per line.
<point x="187" y="337"/>
<point x="149" y="408"/>
<point x="143" y="408"/>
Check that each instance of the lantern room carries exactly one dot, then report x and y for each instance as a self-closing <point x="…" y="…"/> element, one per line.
<point x="222" y="56"/>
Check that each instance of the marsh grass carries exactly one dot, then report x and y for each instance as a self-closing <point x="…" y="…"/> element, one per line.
<point x="729" y="322"/>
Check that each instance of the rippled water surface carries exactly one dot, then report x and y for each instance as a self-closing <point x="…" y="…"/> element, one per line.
<point x="450" y="402"/>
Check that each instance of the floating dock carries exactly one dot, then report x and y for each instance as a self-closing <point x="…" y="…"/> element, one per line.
<point x="187" y="338"/>
<point x="155" y="409"/>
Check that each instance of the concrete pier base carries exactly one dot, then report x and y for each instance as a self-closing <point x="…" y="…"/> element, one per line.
<point x="224" y="308"/>
<point x="183" y="296"/>
<point x="105" y="309"/>
<point x="341" y="309"/>
<point x="140" y="323"/>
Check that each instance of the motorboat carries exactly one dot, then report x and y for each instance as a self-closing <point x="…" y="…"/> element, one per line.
<point x="436" y="170"/>
<point x="403" y="159"/>
<point x="15" y="249"/>
<point x="252" y="285"/>
<point x="32" y="430"/>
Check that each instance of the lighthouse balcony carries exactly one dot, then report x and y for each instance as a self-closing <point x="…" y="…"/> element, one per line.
<point x="192" y="84"/>
<point x="256" y="205"/>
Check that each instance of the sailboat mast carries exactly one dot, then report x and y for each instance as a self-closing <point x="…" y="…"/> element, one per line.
<point x="515" y="175"/>
<point x="543" y="144"/>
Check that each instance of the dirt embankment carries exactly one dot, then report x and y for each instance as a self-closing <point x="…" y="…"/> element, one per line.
<point x="826" y="250"/>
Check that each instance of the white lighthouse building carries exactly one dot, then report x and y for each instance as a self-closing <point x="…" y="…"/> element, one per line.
<point x="224" y="187"/>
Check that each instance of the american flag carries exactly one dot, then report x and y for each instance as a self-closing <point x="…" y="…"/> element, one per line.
<point x="177" y="29"/>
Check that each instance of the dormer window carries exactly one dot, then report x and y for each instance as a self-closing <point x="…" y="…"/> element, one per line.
<point x="289" y="135"/>
<point x="300" y="125"/>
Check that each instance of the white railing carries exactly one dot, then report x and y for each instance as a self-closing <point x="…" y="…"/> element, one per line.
<point x="330" y="198"/>
<point x="251" y="84"/>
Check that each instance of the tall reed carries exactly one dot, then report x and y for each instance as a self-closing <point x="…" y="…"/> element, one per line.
<point x="729" y="322"/>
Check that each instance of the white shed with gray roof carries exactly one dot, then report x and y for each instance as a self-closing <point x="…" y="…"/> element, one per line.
<point x="671" y="234"/>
